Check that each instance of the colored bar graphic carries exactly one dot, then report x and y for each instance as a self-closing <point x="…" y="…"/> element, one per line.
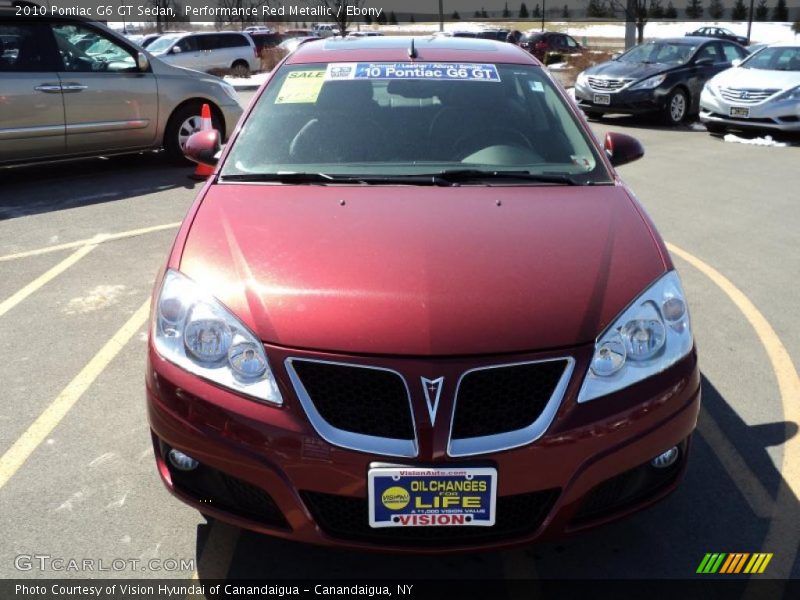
<point x="734" y="563"/>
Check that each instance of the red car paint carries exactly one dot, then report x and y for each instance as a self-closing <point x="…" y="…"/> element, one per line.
<point x="429" y="282"/>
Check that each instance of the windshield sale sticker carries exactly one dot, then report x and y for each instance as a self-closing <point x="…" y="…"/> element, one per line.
<point x="412" y="497"/>
<point x="435" y="71"/>
<point x="301" y="87"/>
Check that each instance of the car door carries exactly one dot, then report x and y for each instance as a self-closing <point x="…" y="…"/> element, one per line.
<point x="109" y="104"/>
<point x="31" y="105"/>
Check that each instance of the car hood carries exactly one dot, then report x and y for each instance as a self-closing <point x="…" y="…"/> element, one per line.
<point x="742" y="77"/>
<point x="422" y="271"/>
<point x="635" y="71"/>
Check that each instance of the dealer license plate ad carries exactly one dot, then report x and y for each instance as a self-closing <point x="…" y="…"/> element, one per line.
<point x="432" y="497"/>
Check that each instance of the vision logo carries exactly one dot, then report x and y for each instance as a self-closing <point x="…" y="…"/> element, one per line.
<point x="737" y="562"/>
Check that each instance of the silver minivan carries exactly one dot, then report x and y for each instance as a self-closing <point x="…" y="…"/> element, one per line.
<point x="62" y="100"/>
<point x="208" y="50"/>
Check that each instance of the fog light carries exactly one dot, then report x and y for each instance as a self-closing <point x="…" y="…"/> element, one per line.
<point x="666" y="459"/>
<point x="181" y="461"/>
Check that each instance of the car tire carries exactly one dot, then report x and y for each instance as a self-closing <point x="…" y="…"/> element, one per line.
<point x="240" y="68"/>
<point x="182" y="123"/>
<point x="676" y="109"/>
<point x="716" y="129"/>
<point x="593" y="115"/>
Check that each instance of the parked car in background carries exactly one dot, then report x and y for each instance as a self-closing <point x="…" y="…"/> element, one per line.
<point x="499" y="35"/>
<point x="761" y="93"/>
<point x="292" y="33"/>
<point x="60" y="101"/>
<point x="291" y="45"/>
<point x="363" y="34"/>
<point x="257" y="29"/>
<point x="205" y="51"/>
<point x="543" y="43"/>
<point x="663" y="76"/>
<point x="325" y="29"/>
<point x="720" y="33"/>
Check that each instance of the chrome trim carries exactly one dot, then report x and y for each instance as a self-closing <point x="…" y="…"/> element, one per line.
<point x="519" y="437"/>
<point x="604" y="84"/>
<point x="348" y="439"/>
<point x="101" y="126"/>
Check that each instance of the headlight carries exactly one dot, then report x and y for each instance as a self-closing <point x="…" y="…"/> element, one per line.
<point x="793" y="94"/>
<point x="230" y="91"/>
<point x="649" y="83"/>
<point x="197" y="333"/>
<point x="581" y="79"/>
<point x="652" y="334"/>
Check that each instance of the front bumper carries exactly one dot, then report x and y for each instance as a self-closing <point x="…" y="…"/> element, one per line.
<point x="281" y="478"/>
<point x="769" y="115"/>
<point x="626" y="101"/>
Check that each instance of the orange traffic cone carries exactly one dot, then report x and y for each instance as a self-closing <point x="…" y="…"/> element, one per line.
<point x="201" y="172"/>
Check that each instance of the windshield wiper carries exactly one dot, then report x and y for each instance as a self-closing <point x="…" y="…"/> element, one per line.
<point x="281" y="177"/>
<point x="452" y="176"/>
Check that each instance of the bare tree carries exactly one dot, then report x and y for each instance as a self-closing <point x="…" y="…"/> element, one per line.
<point x="161" y="12"/>
<point x="634" y="10"/>
<point x="338" y="9"/>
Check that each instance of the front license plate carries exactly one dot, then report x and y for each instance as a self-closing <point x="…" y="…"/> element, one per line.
<point x="431" y="497"/>
<point x="602" y="99"/>
<point x="740" y="111"/>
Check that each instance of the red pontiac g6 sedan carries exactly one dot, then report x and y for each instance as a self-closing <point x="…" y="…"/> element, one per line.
<point x="415" y="308"/>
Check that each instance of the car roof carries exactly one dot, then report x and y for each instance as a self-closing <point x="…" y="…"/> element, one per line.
<point x="785" y="44"/>
<point x="396" y="48"/>
<point x="687" y="40"/>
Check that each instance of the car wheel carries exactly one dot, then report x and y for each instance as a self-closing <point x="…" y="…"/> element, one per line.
<point x="677" y="107"/>
<point x="593" y="115"/>
<point x="184" y="122"/>
<point x="240" y="69"/>
<point x="716" y="128"/>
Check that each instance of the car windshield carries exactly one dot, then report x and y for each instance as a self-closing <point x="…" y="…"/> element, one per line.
<point x="411" y="119"/>
<point x="659" y="52"/>
<point x="162" y="43"/>
<point x="777" y="58"/>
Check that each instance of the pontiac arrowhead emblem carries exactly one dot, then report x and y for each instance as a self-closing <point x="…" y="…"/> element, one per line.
<point x="433" y="391"/>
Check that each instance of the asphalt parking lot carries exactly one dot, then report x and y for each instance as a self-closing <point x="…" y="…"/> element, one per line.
<point x="80" y="245"/>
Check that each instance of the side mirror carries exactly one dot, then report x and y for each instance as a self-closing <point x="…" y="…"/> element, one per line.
<point x="620" y="148"/>
<point x="142" y="62"/>
<point x="176" y="50"/>
<point x="736" y="62"/>
<point x="704" y="62"/>
<point x="203" y="147"/>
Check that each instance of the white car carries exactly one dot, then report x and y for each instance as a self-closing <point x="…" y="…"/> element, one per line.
<point x="325" y="29"/>
<point x="257" y="29"/>
<point x="762" y="92"/>
<point x="206" y="51"/>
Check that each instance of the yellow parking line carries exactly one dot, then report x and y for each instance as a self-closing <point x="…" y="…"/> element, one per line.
<point x="37" y="283"/>
<point x="783" y="534"/>
<point x="22" y="449"/>
<point x="217" y="555"/>
<point x="749" y="485"/>
<point x="76" y="244"/>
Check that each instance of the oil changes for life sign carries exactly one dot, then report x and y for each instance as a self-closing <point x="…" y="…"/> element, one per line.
<point x="414" y="497"/>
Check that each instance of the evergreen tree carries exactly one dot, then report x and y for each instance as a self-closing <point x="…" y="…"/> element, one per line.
<point x="392" y="18"/>
<point x="411" y="19"/>
<point x="780" y="13"/>
<point x="506" y="12"/>
<point x="565" y="12"/>
<point x="477" y="14"/>
<point x="656" y="9"/>
<point x="694" y="9"/>
<point x="596" y="9"/>
<point x="381" y="19"/>
<point x="367" y="20"/>
<point x="716" y="10"/>
<point x="670" y="12"/>
<point x="796" y="27"/>
<point x="739" y="11"/>
<point x="537" y="12"/>
<point x="484" y="14"/>
<point x="455" y="16"/>
<point x="523" y="11"/>
<point x="762" y="11"/>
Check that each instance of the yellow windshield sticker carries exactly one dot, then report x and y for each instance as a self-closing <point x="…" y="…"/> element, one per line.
<point x="301" y="87"/>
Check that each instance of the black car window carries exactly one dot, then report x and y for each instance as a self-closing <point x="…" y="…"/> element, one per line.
<point x="20" y="48"/>
<point x="571" y="42"/>
<point x="188" y="44"/>
<point x="232" y="40"/>
<point x="708" y="51"/>
<point x="104" y="54"/>
<point x="732" y="52"/>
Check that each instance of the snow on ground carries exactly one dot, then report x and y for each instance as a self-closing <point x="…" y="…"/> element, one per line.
<point x="759" y="141"/>
<point x="761" y="32"/>
<point x="247" y="83"/>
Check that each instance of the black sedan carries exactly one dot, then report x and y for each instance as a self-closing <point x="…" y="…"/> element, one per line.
<point x="663" y="76"/>
<point x="719" y="33"/>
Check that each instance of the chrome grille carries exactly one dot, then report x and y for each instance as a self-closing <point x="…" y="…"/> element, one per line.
<point x="745" y="96"/>
<point x="607" y="84"/>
